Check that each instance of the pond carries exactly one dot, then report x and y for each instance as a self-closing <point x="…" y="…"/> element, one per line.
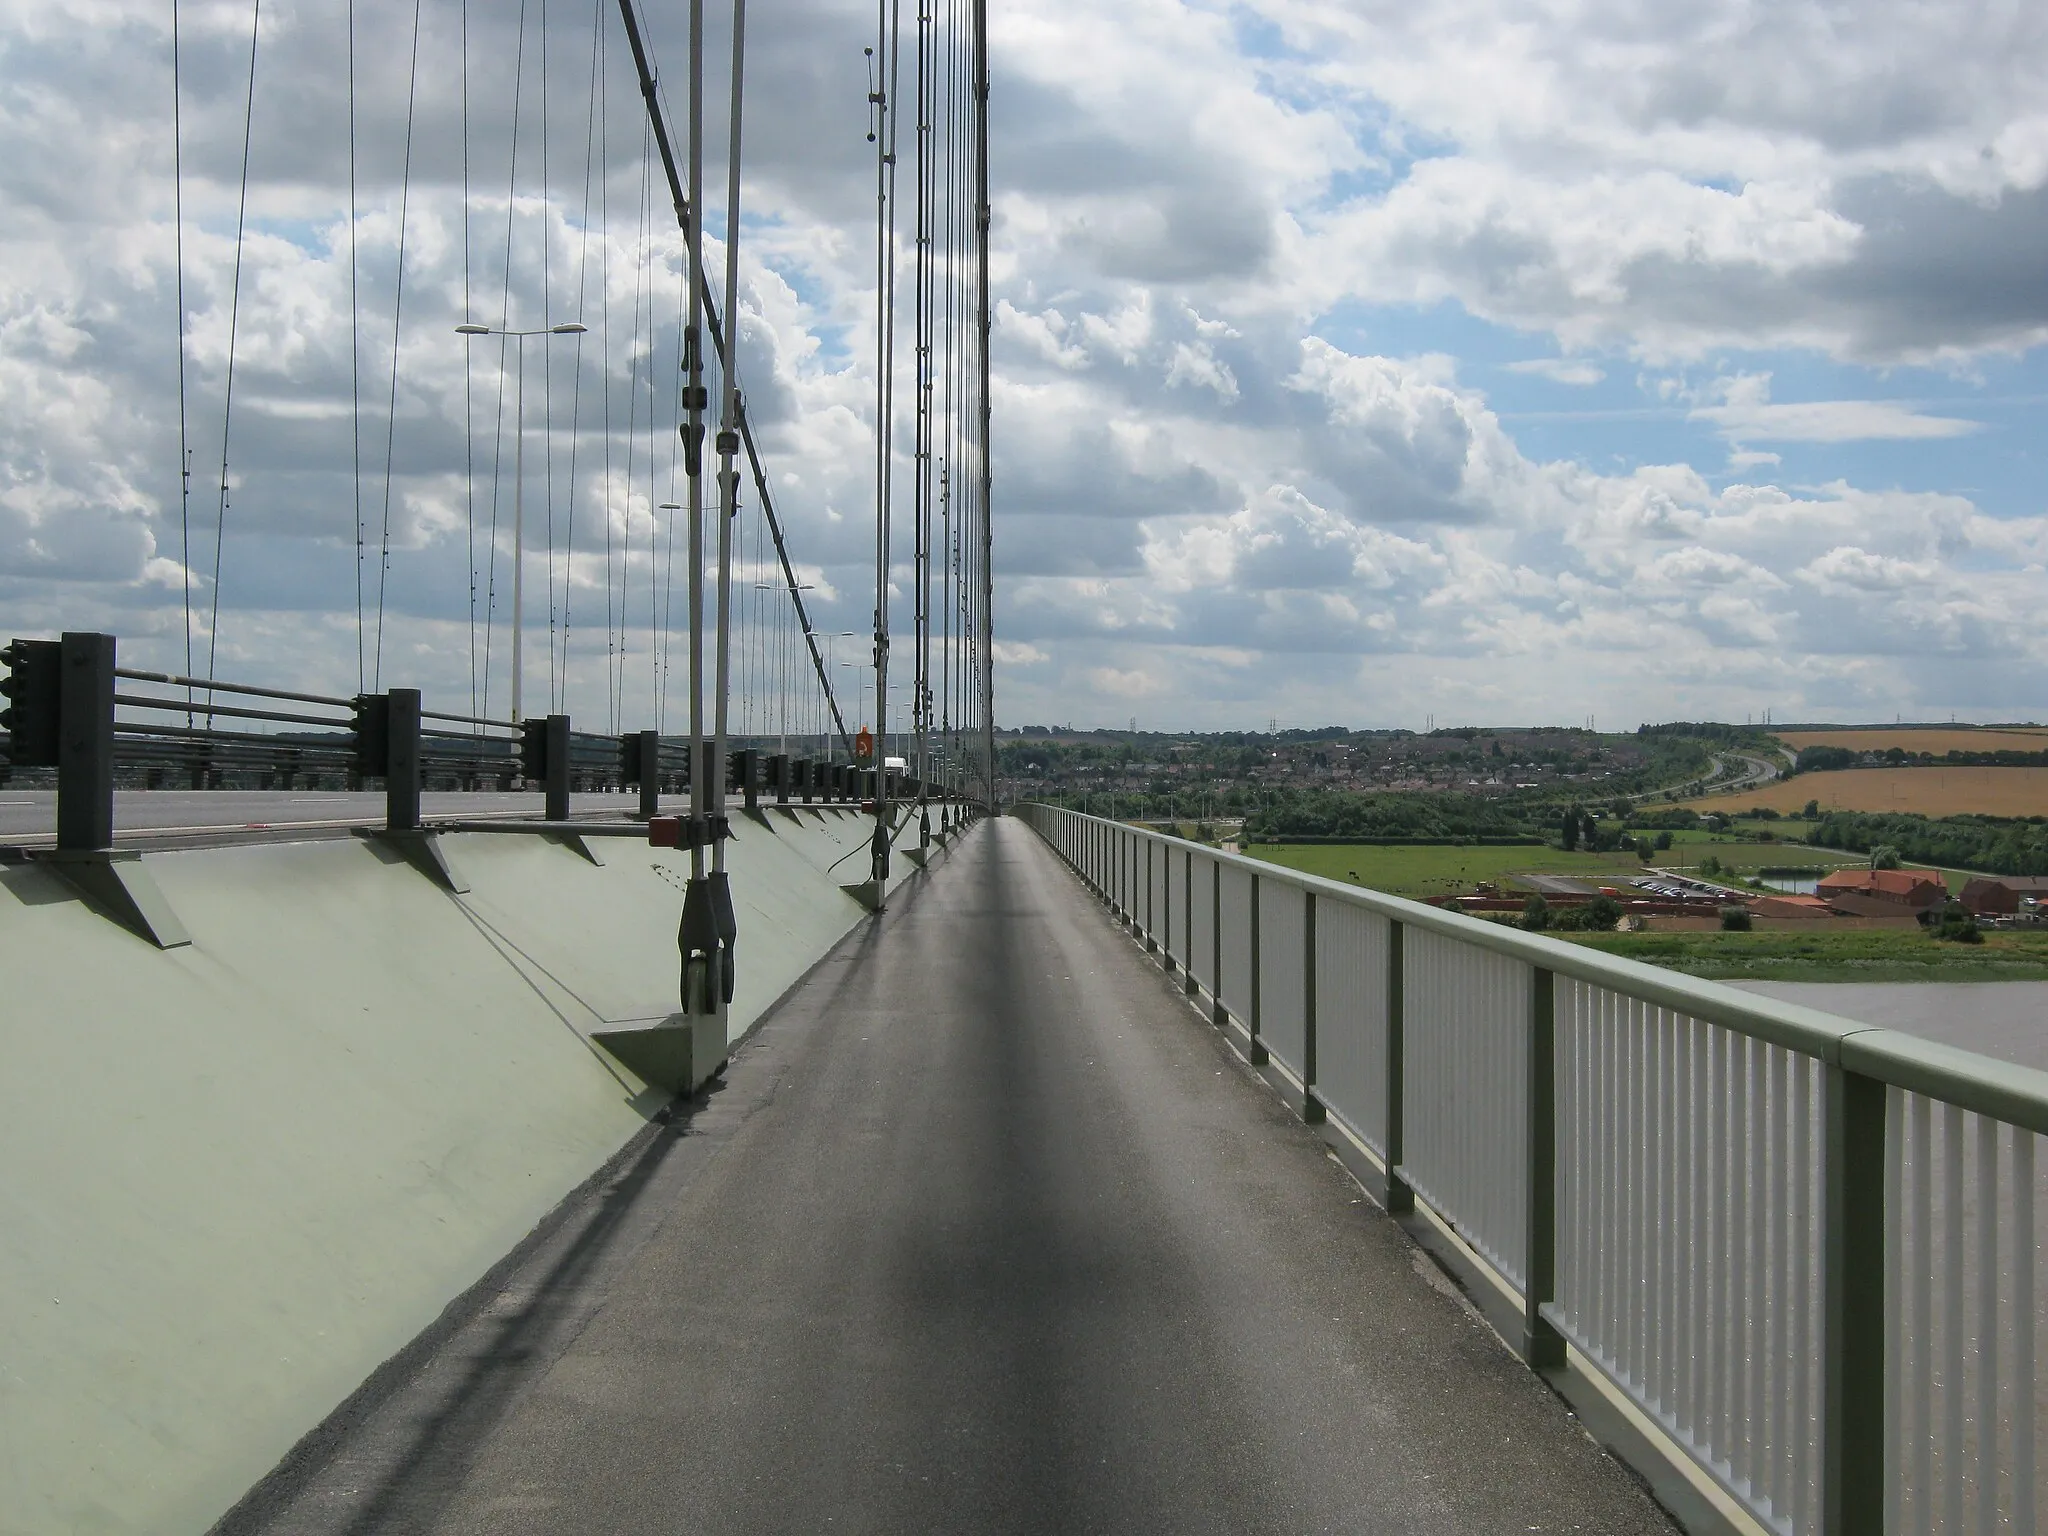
<point x="1791" y="885"/>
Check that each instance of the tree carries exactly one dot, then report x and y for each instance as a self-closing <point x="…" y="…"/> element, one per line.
<point x="1663" y="841"/>
<point x="1735" y="919"/>
<point x="1958" y="925"/>
<point x="1642" y="846"/>
<point x="1569" y="828"/>
<point x="1602" y="913"/>
<point x="1535" y="914"/>
<point x="1812" y="810"/>
<point x="1884" y="856"/>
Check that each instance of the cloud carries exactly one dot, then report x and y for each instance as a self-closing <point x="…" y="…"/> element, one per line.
<point x="1747" y="414"/>
<point x="1561" y="370"/>
<point x="1246" y="266"/>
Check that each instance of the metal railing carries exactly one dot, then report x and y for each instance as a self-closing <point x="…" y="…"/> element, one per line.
<point x="1805" y="1248"/>
<point x="76" y="718"/>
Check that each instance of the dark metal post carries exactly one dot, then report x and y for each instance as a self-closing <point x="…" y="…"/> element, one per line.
<point x="402" y="760"/>
<point x="1166" y="917"/>
<point x="778" y="770"/>
<point x="1853" y="1475"/>
<point x="1217" y="1011"/>
<point x="1151" y="916"/>
<point x="557" y="782"/>
<point x="1312" y="1112"/>
<point x="85" y="743"/>
<point x="1399" y="1196"/>
<point x="1187" y="915"/>
<point x="650" y="775"/>
<point x="1256" y="1047"/>
<point x="1542" y="1344"/>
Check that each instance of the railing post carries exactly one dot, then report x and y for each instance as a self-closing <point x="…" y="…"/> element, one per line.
<point x="647" y="771"/>
<point x="85" y="743"/>
<point x="1218" y="1012"/>
<point x="402" y="760"/>
<point x="1166" y="918"/>
<point x="1542" y="1344"/>
<point x="1255" y="1048"/>
<point x="557" y="781"/>
<point x="1399" y="1196"/>
<point x="1151" y="916"/>
<point x="1187" y="912"/>
<point x="1852" y="1468"/>
<point x="1312" y="1112"/>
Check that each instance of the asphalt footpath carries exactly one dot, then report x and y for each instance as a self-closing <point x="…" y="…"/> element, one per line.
<point x="984" y="1231"/>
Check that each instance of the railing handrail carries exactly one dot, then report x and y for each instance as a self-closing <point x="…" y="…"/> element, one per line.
<point x="2003" y="1090"/>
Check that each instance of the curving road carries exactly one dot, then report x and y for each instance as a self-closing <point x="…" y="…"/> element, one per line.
<point x="985" y="1232"/>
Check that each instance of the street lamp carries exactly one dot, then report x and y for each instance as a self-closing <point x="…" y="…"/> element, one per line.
<point x="569" y="328"/>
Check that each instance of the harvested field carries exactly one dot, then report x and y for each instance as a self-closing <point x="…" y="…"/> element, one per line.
<point x="1915" y="791"/>
<point x="1937" y="739"/>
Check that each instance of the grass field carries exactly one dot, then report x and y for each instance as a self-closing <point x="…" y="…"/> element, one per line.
<point x="1936" y="740"/>
<point x="1437" y="871"/>
<point x="1855" y="955"/>
<point x="1919" y="791"/>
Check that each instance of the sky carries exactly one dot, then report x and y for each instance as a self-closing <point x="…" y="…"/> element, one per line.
<point x="1354" y="362"/>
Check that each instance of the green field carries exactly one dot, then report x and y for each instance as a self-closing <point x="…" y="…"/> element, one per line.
<point x="1437" y="870"/>
<point x="1855" y="955"/>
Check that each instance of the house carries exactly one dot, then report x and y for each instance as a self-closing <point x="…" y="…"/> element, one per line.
<point x="1881" y="892"/>
<point x="1988" y="895"/>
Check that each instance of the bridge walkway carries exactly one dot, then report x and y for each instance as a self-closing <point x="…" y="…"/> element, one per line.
<point x="984" y="1231"/>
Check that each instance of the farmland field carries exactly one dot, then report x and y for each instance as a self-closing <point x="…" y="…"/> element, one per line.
<point x="1435" y="870"/>
<point x="1935" y="739"/>
<point x="1917" y="791"/>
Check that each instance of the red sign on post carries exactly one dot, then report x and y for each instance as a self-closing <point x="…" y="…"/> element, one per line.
<point x="864" y="745"/>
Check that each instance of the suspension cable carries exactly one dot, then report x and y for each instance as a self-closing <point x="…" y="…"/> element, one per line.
<point x="397" y="318"/>
<point x="234" y="328"/>
<point x="184" y="415"/>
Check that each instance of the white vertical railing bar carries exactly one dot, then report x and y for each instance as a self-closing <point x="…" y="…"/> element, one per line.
<point x="2024" y="1304"/>
<point x="1986" y="1459"/>
<point x="1952" y="1321"/>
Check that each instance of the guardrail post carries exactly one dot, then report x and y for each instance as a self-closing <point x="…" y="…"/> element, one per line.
<point x="1312" y="1111"/>
<point x="402" y="760"/>
<point x="643" y="760"/>
<point x="1852" y="1468"/>
<point x="1400" y="1197"/>
<point x="1166" y="919"/>
<point x="1218" y="1012"/>
<point x="1187" y="914"/>
<point x="85" y="743"/>
<point x="1542" y="1344"/>
<point x="557" y="781"/>
<point x="1151" y="915"/>
<point x="1255" y="1048"/>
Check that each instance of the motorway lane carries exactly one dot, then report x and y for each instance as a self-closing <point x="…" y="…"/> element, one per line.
<point x="984" y="1232"/>
<point x="27" y="815"/>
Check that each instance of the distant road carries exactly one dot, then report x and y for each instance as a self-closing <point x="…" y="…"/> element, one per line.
<point x="29" y="817"/>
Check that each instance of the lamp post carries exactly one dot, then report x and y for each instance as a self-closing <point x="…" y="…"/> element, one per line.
<point x="519" y="491"/>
